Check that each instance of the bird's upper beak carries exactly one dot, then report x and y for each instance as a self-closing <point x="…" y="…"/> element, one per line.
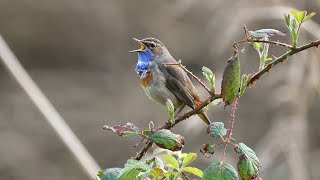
<point x="143" y="47"/>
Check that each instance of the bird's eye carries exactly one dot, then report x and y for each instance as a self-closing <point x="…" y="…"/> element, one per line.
<point x="153" y="45"/>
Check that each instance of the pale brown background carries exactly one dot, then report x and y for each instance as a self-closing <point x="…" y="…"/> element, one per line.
<point x="77" y="52"/>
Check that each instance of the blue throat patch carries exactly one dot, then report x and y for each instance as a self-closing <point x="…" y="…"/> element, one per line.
<point x="144" y="63"/>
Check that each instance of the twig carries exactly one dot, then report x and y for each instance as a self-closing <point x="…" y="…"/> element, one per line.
<point x="185" y="176"/>
<point x="192" y="112"/>
<point x="231" y="122"/>
<point x="282" y="58"/>
<point x="270" y="42"/>
<point x="143" y="150"/>
<point x="191" y="74"/>
<point x="177" y="120"/>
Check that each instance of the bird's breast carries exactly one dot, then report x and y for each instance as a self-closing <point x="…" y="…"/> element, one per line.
<point x="147" y="80"/>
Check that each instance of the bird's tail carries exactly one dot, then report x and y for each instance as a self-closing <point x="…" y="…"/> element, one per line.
<point x="204" y="117"/>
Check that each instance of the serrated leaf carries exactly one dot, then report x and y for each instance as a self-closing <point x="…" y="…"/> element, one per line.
<point x="189" y="158"/>
<point x="171" y="160"/>
<point x="309" y="16"/>
<point x="220" y="171"/>
<point x="294" y="31"/>
<point x="166" y="139"/>
<point x="298" y="15"/>
<point x="109" y="174"/>
<point x="125" y="130"/>
<point x="231" y="80"/>
<point x="172" y="176"/>
<point x="217" y="130"/>
<point x="287" y="19"/>
<point x="248" y="164"/>
<point x="158" y="163"/>
<point x="244" y="81"/>
<point x="262" y="33"/>
<point x="208" y="74"/>
<point x="170" y="110"/>
<point x="193" y="170"/>
<point x="208" y="149"/>
<point x="134" y="170"/>
<point x="143" y="175"/>
<point x="129" y="174"/>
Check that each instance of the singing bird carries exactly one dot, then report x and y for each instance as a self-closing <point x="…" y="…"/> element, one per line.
<point x="162" y="82"/>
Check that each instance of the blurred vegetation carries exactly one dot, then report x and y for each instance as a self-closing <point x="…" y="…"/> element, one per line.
<point x="77" y="51"/>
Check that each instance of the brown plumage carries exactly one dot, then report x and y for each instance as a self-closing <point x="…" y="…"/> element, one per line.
<point x="168" y="82"/>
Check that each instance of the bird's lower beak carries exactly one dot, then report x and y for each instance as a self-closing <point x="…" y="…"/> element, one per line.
<point x="143" y="47"/>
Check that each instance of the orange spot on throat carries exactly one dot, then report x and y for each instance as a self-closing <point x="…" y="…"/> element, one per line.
<point x="147" y="80"/>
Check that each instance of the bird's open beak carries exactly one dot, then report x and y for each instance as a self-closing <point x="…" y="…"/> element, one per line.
<point x="143" y="47"/>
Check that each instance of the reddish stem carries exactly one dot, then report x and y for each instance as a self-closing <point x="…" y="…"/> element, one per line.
<point x="231" y="126"/>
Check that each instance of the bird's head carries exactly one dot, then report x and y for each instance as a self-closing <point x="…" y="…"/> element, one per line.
<point x="150" y="48"/>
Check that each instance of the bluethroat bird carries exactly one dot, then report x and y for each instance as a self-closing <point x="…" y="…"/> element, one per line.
<point x="161" y="82"/>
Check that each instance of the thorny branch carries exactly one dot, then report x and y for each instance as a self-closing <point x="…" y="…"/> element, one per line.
<point x="232" y="119"/>
<point x="281" y="59"/>
<point x="214" y="96"/>
<point x="270" y="42"/>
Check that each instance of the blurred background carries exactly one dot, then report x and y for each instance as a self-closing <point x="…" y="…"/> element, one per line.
<point x="77" y="52"/>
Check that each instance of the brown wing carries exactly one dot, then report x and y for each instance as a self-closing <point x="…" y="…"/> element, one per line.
<point x="180" y="85"/>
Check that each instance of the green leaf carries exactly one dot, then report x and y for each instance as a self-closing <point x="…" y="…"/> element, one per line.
<point x="220" y="171"/>
<point x="193" y="170"/>
<point x="256" y="45"/>
<point x="171" y="160"/>
<point x="208" y="74"/>
<point x="298" y="15"/>
<point x="217" y="130"/>
<point x="208" y="149"/>
<point x="248" y="164"/>
<point x="265" y="50"/>
<point x="172" y="176"/>
<point x="287" y="19"/>
<point x="158" y="163"/>
<point x="109" y="174"/>
<point x="261" y="33"/>
<point x="294" y="31"/>
<point x="309" y="16"/>
<point x="231" y="80"/>
<point x="170" y="110"/>
<point x="293" y="25"/>
<point x="146" y="132"/>
<point x="189" y="158"/>
<point x="244" y="81"/>
<point x="134" y="170"/>
<point x="125" y="130"/>
<point x="166" y="139"/>
<point x="157" y="172"/>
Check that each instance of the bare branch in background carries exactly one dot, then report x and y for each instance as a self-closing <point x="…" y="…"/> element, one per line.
<point x="52" y="116"/>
